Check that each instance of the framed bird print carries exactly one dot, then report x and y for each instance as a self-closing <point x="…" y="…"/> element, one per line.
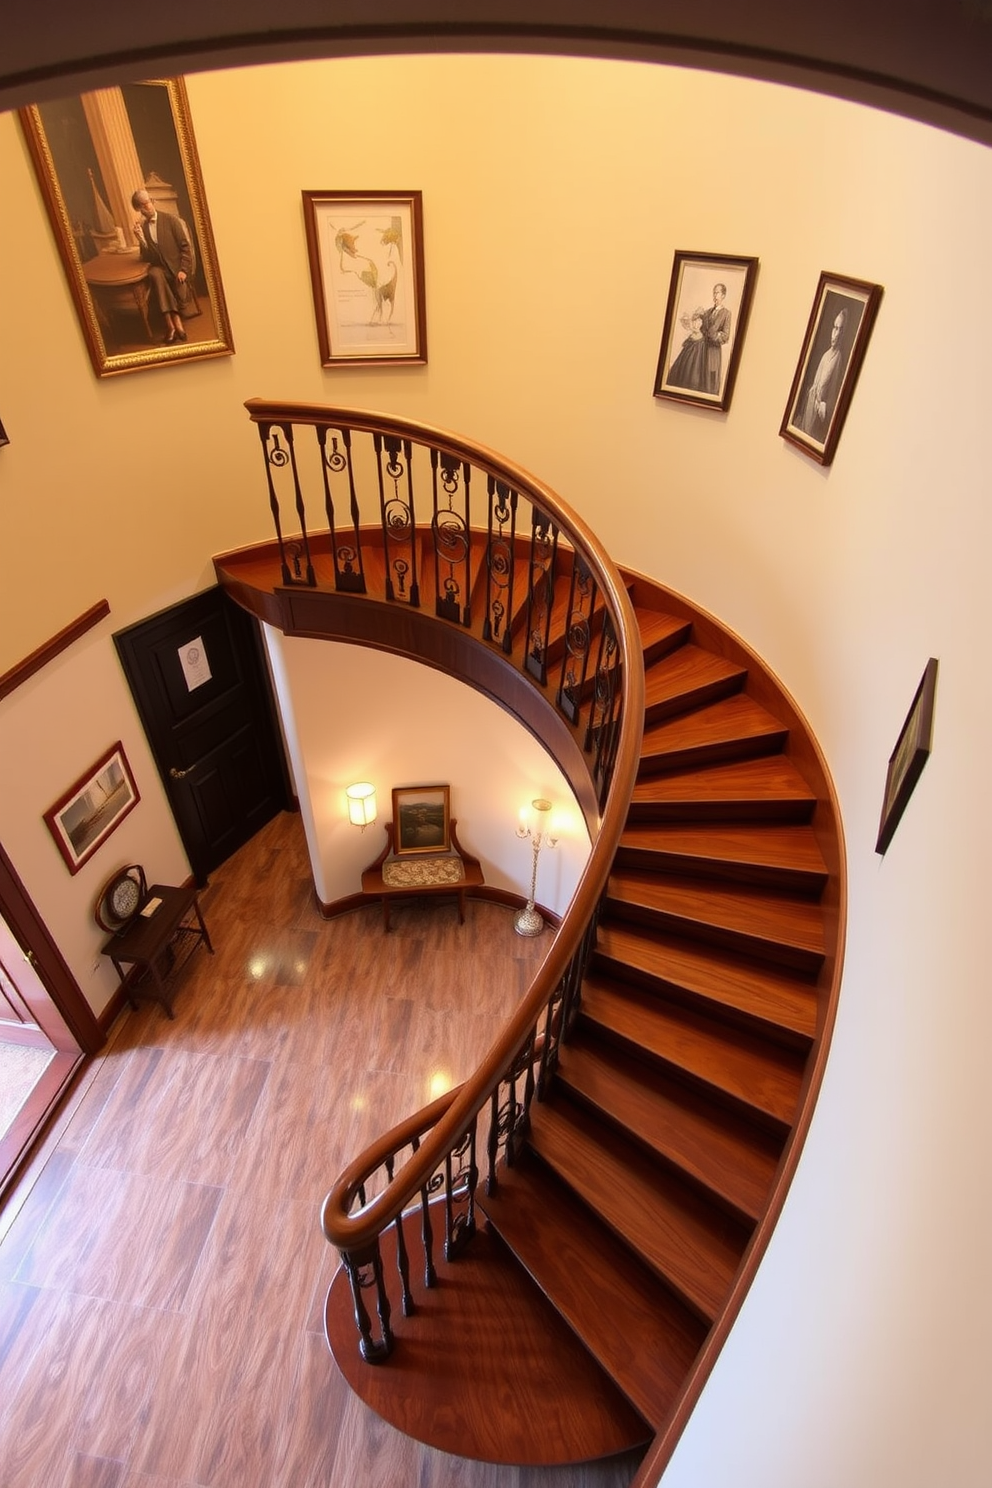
<point x="366" y="251"/>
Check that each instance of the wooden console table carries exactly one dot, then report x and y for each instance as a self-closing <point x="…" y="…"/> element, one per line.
<point x="159" y="944"/>
<point x="410" y="875"/>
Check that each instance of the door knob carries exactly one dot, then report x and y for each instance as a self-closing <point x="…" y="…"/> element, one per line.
<point x="179" y="774"/>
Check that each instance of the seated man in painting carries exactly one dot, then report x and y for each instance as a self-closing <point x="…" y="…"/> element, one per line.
<point x="166" y="249"/>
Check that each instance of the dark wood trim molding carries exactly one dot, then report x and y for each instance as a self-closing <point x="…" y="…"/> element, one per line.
<point x="30" y="930"/>
<point x="59" y="643"/>
<point x="483" y="891"/>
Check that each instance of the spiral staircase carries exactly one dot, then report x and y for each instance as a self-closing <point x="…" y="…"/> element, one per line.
<point x="640" y="1138"/>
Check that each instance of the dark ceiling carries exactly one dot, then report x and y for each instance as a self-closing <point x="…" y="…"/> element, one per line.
<point x="929" y="59"/>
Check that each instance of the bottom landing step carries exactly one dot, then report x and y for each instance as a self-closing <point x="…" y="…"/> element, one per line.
<point x="485" y="1368"/>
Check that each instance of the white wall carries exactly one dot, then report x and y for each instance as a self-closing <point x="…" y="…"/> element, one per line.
<point x="356" y="714"/>
<point x="555" y="194"/>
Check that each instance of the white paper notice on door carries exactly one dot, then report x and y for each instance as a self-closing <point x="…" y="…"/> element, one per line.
<point x="196" y="667"/>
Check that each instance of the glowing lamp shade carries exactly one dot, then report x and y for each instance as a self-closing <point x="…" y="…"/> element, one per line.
<point x="361" y="804"/>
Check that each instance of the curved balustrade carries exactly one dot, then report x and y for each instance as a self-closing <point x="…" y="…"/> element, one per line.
<point x="374" y="508"/>
<point x="389" y="517"/>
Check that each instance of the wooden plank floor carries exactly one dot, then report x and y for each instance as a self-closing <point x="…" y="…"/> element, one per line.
<point x="162" y="1278"/>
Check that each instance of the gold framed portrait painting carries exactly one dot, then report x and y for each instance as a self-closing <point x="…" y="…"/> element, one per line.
<point x="142" y="273"/>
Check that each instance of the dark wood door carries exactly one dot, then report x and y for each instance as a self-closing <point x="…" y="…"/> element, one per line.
<point x="202" y="690"/>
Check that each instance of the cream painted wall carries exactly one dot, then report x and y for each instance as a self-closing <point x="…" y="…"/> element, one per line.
<point x="356" y="714"/>
<point x="52" y="729"/>
<point x="555" y="194"/>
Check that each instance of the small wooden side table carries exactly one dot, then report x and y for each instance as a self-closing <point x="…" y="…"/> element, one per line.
<point x="376" y="882"/>
<point x="158" y="944"/>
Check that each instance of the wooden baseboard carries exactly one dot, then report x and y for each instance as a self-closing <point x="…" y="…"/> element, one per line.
<point x="483" y="891"/>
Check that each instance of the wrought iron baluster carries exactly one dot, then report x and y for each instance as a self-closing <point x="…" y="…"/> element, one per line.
<point x="459" y="1187"/>
<point x="451" y="532"/>
<point x="349" y="570"/>
<point x="426" y="1228"/>
<point x="492" y="1143"/>
<point x="399" y="519"/>
<point x="553" y="1019"/>
<point x="278" y="458"/>
<point x="500" y="564"/>
<point x="540" y="593"/>
<point x="364" y="1268"/>
<point x="602" y="734"/>
<point x="578" y="639"/>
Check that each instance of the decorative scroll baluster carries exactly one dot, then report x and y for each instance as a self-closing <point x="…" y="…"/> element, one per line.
<point x="553" y="1021"/>
<point x="603" y="733"/>
<point x="426" y="1228"/>
<point x="500" y="566"/>
<point x="452" y="541"/>
<point x="398" y="516"/>
<point x="541" y="593"/>
<point x="459" y="1188"/>
<point x="513" y="1116"/>
<point x="277" y="458"/>
<point x="578" y="639"/>
<point x="349" y="571"/>
<point x="364" y="1268"/>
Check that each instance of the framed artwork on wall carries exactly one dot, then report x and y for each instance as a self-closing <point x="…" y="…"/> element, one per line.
<point x="143" y="275"/>
<point x="421" y="819"/>
<point x="709" y="301"/>
<point x="909" y="756"/>
<point x="833" y="349"/>
<point x="366" y="252"/>
<point x="83" y="819"/>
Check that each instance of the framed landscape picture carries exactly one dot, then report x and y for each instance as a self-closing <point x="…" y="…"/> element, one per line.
<point x="145" y="283"/>
<point x="709" y="300"/>
<point x="83" y="819"/>
<point x="833" y="349"/>
<point x="366" y="251"/>
<point x="421" y="819"/>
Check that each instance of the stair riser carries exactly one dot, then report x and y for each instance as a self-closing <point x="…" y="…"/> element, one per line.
<point x="774" y="813"/>
<point x="701" y="1289"/>
<point x="719" y="752"/>
<point x="666" y="645"/>
<point x="693" y="697"/>
<point x="712" y="1191"/>
<point x="737" y="1102"/>
<point x="764" y="875"/>
<point x="794" y="958"/>
<point x="643" y="980"/>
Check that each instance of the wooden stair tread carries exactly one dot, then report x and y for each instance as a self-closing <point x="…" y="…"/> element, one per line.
<point x="767" y="788"/>
<point x="660" y="633"/>
<point x="763" y="922"/>
<point x="690" y="1244"/>
<point x="755" y="1073"/>
<point x="786" y="856"/>
<point x="731" y="728"/>
<point x="485" y="1367"/>
<point x="686" y="678"/>
<point x="604" y="1293"/>
<point x="734" y="1161"/>
<point x="762" y="995"/>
